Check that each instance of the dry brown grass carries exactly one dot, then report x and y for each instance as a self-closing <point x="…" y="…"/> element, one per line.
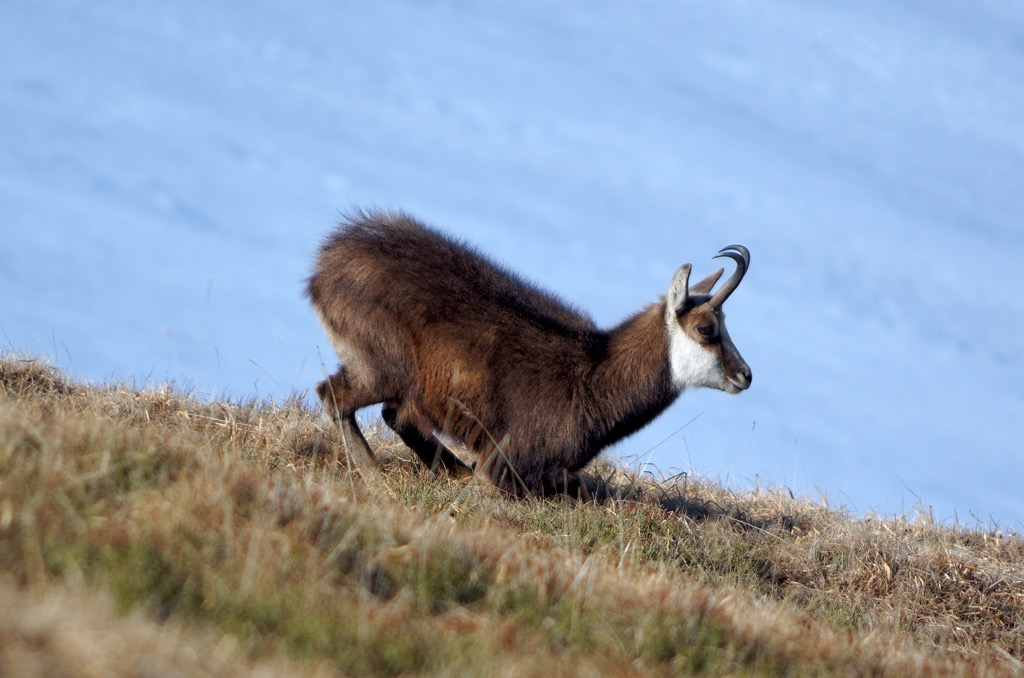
<point x="230" y="539"/>
<point x="65" y="630"/>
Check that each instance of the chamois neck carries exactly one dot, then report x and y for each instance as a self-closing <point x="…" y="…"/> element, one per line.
<point x="638" y="350"/>
<point x="633" y="382"/>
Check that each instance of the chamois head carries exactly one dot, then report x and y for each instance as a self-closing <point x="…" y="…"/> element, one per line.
<point x="701" y="353"/>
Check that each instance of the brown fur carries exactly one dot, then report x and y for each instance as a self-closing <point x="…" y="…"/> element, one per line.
<point x="450" y="342"/>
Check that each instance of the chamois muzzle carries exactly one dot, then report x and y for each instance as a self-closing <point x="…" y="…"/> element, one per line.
<point x="741" y="379"/>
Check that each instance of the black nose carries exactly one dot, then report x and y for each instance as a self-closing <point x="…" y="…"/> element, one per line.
<point x="749" y="375"/>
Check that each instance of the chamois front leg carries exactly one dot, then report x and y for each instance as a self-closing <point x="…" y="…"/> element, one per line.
<point x="340" y="400"/>
<point x="431" y="451"/>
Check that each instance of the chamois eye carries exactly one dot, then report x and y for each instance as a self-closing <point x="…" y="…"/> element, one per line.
<point x="706" y="331"/>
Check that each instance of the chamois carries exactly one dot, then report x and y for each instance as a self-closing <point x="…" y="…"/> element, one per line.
<point x="450" y="342"/>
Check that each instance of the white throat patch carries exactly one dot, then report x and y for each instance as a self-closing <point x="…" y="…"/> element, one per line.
<point x="692" y="365"/>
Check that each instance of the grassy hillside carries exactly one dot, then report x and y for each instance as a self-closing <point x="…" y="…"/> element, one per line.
<point x="145" y="532"/>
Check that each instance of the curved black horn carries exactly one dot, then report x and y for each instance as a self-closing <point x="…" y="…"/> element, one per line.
<point x="741" y="256"/>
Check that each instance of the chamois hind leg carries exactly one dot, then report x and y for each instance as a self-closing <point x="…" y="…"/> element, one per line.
<point x="431" y="451"/>
<point x="341" y="398"/>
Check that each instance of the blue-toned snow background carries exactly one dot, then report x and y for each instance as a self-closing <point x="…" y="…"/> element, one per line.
<point x="167" y="169"/>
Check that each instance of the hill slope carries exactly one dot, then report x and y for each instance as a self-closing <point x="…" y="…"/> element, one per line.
<point x="234" y="540"/>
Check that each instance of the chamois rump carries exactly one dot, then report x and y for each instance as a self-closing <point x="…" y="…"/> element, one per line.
<point x="450" y="342"/>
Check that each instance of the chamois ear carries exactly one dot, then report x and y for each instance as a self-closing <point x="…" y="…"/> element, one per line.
<point x="705" y="285"/>
<point x="678" y="291"/>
